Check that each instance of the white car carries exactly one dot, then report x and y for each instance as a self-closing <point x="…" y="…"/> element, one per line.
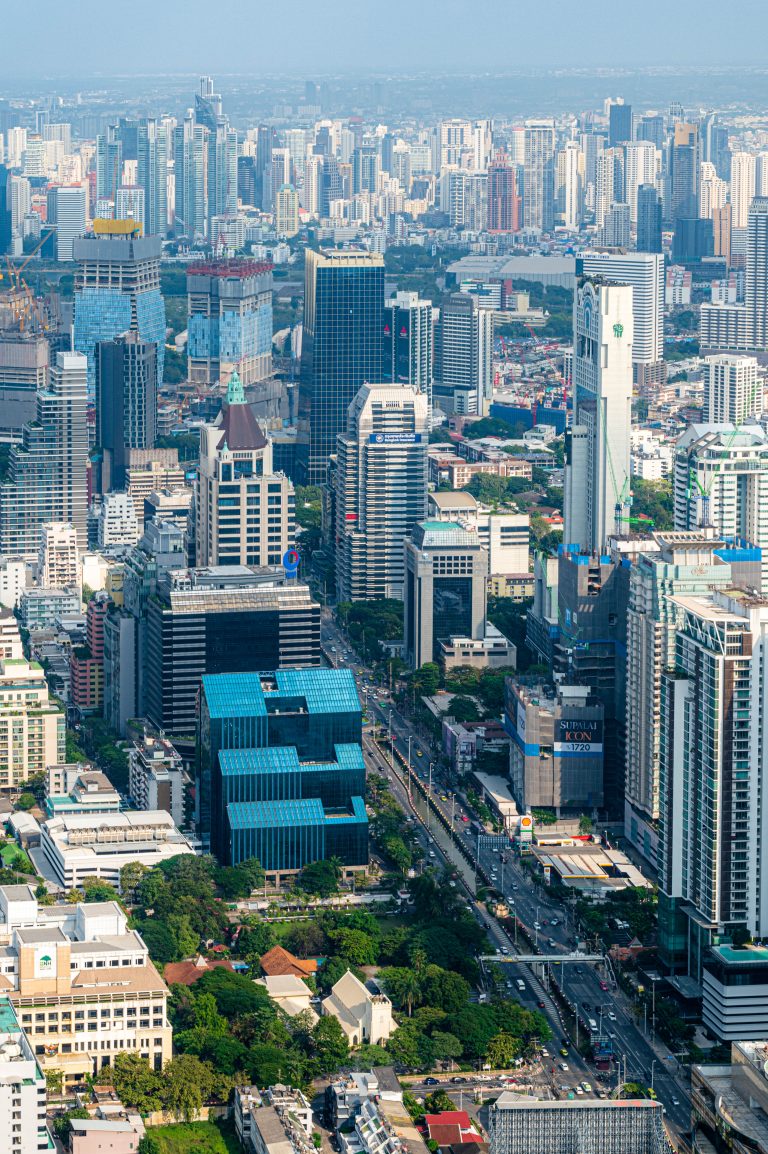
<point x="611" y="1016"/>
<point x="536" y="925"/>
<point x="563" y="1065"/>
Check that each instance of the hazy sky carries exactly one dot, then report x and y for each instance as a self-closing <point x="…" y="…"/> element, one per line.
<point x="316" y="37"/>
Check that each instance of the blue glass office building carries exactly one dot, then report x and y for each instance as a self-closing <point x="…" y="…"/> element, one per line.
<point x="281" y="775"/>
<point x="117" y="290"/>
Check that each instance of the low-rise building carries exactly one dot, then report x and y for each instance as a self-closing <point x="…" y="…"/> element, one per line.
<point x="729" y="1102"/>
<point x="81" y="983"/>
<point x="156" y="777"/>
<point x="104" y="1136"/>
<point x="520" y="1125"/>
<point x="13" y="580"/>
<point x="735" y="993"/>
<point x="364" y="1016"/>
<point x="290" y="994"/>
<point x="42" y="608"/>
<point x="278" y="1122"/>
<point x="99" y="845"/>
<point x="91" y="792"/>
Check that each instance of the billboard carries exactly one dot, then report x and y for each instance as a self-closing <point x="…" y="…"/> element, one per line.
<point x="394" y="438"/>
<point x="576" y="737"/>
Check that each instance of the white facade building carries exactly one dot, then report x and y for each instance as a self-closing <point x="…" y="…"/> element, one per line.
<point x="640" y="166"/>
<point x="381" y="488"/>
<point x="743" y="173"/>
<point x="58" y="565"/>
<point x="13" y="581"/>
<point x="100" y="845"/>
<point x="118" y="524"/>
<point x="597" y="472"/>
<point x="365" y="1017"/>
<point x="22" y="1089"/>
<point x="644" y="271"/>
<point x="732" y="392"/>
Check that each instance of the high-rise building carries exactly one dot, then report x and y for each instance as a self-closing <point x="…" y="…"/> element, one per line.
<point x="446" y="569"/>
<point x="597" y="463"/>
<point x="756" y="274"/>
<point x="645" y="273"/>
<point x="117" y="290"/>
<point x="245" y="511"/>
<point x="539" y="175"/>
<point x="713" y="192"/>
<point x="381" y="489"/>
<point x="220" y="153"/>
<point x="24" y="359"/>
<point x="648" y="219"/>
<point x="685" y="562"/>
<point x="721" y="480"/>
<point x="32" y="733"/>
<point x="230" y="321"/>
<point x="190" y="152"/>
<point x="570" y="184"/>
<point x="619" y="123"/>
<point x="156" y="777"/>
<point x="409" y="341"/>
<point x="130" y="205"/>
<point x="58" y="565"/>
<point x="609" y="182"/>
<point x="287" y="211"/>
<point x="126" y="403"/>
<point x="154" y="154"/>
<point x="743" y="165"/>
<point x="713" y="761"/>
<point x="280" y="769"/>
<point x="342" y="347"/>
<point x="225" y="619"/>
<point x="22" y="1088"/>
<point x="721" y="233"/>
<point x="732" y="393"/>
<point x="68" y="211"/>
<point x="117" y="521"/>
<point x="47" y="473"/>
<point x="683" y="159"/>
<point x="616" y="232"/>
<point x="463" y="356"/>
<point x="6" y="230"/>
<point x="639" y="170"/>
<point x="503" y="201"/>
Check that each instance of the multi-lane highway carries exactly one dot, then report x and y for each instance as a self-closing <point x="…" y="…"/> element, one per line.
<point x="643" y="1059"/>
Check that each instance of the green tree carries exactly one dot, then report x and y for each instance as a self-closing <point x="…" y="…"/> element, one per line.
<point x="445" y="989"/>
<point x="136" y="1083"/>
<point x="131" y="876"/>
<point x="437" y="1102"/>
<point x="161" y="943"/>
<point x="585" y="823"/>
<point x="187" y="941"/>
<point x="149" y="1145"/>
<point x="320" y="878"/>
<point x="254" y="939"/>
<point x="356" y="945"/>
<point x="447" y="1046"/>
<point x="653" y="500"/>
<point x="187" y="1083"/>
<point x="98" y="890"/>
<point x="62" y="1125"/>
<point x="502" y="1050"/>
<point x="426" y="679"/>
<point x="330" y="1044"/>
<point x="25" y="801"/>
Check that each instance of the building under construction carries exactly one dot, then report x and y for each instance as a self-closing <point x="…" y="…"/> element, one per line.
<point x="230" y="321"/>
<point x="520" y="1125"/>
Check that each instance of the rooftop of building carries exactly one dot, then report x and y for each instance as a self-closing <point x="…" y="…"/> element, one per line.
<point x="289" y="812"/>
<point x="278" y="962"/>
<point x="742" y="956"/>
<point x="444" y="535"/>
<point x="312" y="691"/>
<point x="285" y="759"/>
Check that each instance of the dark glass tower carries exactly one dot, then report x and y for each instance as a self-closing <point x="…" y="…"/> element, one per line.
<point x="126" y="403"/>
<point x="648" y="219"/>
<point x="342" y="348"/>
<point x="619" y="124"/>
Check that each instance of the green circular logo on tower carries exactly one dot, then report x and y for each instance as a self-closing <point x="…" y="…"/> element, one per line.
<point x="618" y="330"/>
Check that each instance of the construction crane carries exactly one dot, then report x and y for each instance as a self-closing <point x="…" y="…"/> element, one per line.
<point x="24" y="304"/>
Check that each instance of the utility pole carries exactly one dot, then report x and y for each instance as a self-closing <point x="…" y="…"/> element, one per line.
<point x="410" y="772"/>
<point x="429" y="795"/>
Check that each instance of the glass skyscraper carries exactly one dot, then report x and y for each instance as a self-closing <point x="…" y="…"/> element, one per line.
<point x="281" y="771"/>
<point x="342" y="348"/>
<point x="117" y="290"/>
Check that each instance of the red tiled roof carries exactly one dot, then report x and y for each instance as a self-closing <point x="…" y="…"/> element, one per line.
<point x="187" y="973"/>
<point x="451" y="1128"/>
<point x="277" y="962"/>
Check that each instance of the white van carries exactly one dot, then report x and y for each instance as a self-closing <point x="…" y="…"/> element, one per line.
<point x="592" y="1026"/>
<point x="520" y="985"/>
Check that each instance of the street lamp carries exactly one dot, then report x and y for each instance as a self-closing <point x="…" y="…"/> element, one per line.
<point x="391" y="747"/>
<point x="653" y="1066"/>
<point x="410" y="771"/>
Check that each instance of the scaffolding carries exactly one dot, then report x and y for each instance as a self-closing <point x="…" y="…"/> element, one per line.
<point x="528" y="1126"/>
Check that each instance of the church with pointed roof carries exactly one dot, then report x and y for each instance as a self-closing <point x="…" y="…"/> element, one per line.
<point x="245" y="511"/>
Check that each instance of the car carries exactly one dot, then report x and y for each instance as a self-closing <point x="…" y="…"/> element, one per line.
<point x="552" y="943"/>
<point x="419" y="753"/>
<point x="452" y="885"/>
<point x="504" y="951"/>
<point x="541" y="1005"/>
<point x="554" y="922"/>
<point x="611" y="1016"/>
<point x="578" y="1089"/>
<point x="586" y="1005"/>
<point x="457" y="1080"/>
<point x="431" y="1081"/>
<point x="564" y="1066"/>
<point x="563" y="1051"/>
<point x="603" y="984"/>
<point x="579" y="969"/>
<point x="537" y="925"/>
<point x="443" y="797"/>
<point x="431" y="853"/>
<point x="545" y="1052"/>
<point x="586" y="1087"/>
<point x="675" y="1101"/>
<point x="464" y="817"/>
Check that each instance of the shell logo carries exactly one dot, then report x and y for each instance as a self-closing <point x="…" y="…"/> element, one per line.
<point x="526" y="822"/>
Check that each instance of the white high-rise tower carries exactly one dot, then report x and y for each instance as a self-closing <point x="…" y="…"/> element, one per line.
<point x="597" y="469"/>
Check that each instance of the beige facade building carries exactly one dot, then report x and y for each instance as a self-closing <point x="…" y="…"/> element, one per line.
<point x="81" y="983"/>
<point x="150" y="471"/>
<point x="245" y="511"/>
<point x="32" y="731"/>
